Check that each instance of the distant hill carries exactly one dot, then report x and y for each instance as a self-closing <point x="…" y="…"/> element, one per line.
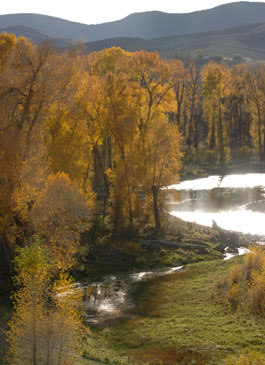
<point x="35" y="36"/>
<point x="145" y="25"/>
<point x="247" y="40"/>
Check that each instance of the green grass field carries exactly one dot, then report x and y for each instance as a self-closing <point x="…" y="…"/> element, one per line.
<point x="183" y="318"/>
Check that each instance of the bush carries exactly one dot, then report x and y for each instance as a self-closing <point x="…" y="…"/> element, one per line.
<point x="132" y="248"/>
<point x="246" y="283"/>
<point x="251" y="358"/>
<point x="257" y="292"/>
<point x="236" y="275"/>
<point x="234" y="296"/>
<point x="254" y="261"/>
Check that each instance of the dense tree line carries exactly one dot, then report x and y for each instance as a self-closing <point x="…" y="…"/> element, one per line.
<point x="101" y="134"/>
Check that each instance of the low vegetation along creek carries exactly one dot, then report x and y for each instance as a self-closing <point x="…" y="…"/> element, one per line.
<point x="105" y="257"/>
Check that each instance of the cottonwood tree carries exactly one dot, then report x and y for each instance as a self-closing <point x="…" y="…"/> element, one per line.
<point x="162" y="161"/>
<point x="215" y="90"/>
<point x="59" y="215"/>
<point x="121" y="121"/>
<point x="22" y="101"/>
<point x="159" y="140"/>
<point x="179" y="87"/>
<point x="193" y="105"/>
<point x="7" y="44"/>
<point x="256" y="91"/>
<point x="45" y="328"/>
<point x="34" y="78"/>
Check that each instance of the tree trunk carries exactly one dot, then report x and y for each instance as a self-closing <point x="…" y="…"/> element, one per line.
<point x="220" y="136"/>
<point x="155" y="191"/>
<point x="100" y="164"/>
<point x="7" y="255"/>
<point x="212" y="141"/>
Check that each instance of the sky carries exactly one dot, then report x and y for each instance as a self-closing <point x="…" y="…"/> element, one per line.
<point x="101" y="11"/>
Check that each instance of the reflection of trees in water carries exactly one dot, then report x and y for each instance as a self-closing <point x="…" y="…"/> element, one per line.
<point x="214" y="200"/>
<point x="228" y="198"/>
<point x="95" y="293"/>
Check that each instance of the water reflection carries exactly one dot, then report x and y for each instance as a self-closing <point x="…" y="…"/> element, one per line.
<point x="235" y="202"/>
<point x="110" y="298"/>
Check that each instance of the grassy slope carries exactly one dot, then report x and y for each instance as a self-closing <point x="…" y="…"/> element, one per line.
<point x="182" y="318"/>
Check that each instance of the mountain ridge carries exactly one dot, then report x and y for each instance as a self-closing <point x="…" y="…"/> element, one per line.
<point x="247" y="40"/>
<point x="146" y="25"/>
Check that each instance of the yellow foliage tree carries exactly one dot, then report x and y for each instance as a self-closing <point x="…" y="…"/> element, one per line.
<point x="59" y="215"/>
<point x="215" y="90"/>
<point x="7" y="43"/>
<point x="45" y="328"/>
<point x="255" y="80"/>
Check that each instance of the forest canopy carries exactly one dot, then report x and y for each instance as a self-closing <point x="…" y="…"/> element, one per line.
<point x="96" y="136"/>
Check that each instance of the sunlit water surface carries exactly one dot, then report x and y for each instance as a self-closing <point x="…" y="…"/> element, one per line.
<point x="234" y="202"/>
<point x="111" y="297"/>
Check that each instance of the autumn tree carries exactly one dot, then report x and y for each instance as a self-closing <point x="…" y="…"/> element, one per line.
<point x="193" y="106"/>
<point x="215" y="91"/>
<point x="159" y="140"/>
<point x="162" y="161"/>
<point x="179" y="87"/>
<point x="7" y="44"/>
<point x="92" y="113"/>
<point x="33" y="80"/>
<point x="25" y="326"/>
<point x="45" y="327"/>
<point x="238" y="113"/>
<point x="59" y="215"/>
<point x="23" y="96"/>
<point x="256" y="92"/>
<point x="122" y="128"/>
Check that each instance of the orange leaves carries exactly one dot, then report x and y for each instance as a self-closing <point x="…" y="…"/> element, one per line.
<point x="7" y="43"/>
<point x="108" y="60"/>
<point x="59" y="215"/>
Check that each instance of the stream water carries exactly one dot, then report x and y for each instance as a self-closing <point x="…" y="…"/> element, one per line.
<point x="108" y="299"/>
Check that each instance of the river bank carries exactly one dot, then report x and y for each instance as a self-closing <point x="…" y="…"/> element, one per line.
<point x="181" y="243"/>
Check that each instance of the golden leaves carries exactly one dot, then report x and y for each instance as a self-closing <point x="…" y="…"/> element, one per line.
<point x="59" y="215"/>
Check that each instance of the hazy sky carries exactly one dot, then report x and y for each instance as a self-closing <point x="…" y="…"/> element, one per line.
<point x="100" y="11"/>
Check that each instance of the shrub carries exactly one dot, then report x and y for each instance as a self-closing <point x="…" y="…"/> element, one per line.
<point x="254" y="261"/>
<point x="257" y="292"/>
<point x="251" y="358"/>
<point x="236" y="275"/>
<point x="131" y="248"/>
<point x="233" y="295"/>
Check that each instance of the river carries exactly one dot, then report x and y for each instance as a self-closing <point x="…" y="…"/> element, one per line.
<point x="234" y="202"/>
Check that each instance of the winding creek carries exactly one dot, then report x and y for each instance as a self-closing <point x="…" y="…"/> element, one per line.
<point x="234" y="202"/>
<point x="110" y="297"/>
